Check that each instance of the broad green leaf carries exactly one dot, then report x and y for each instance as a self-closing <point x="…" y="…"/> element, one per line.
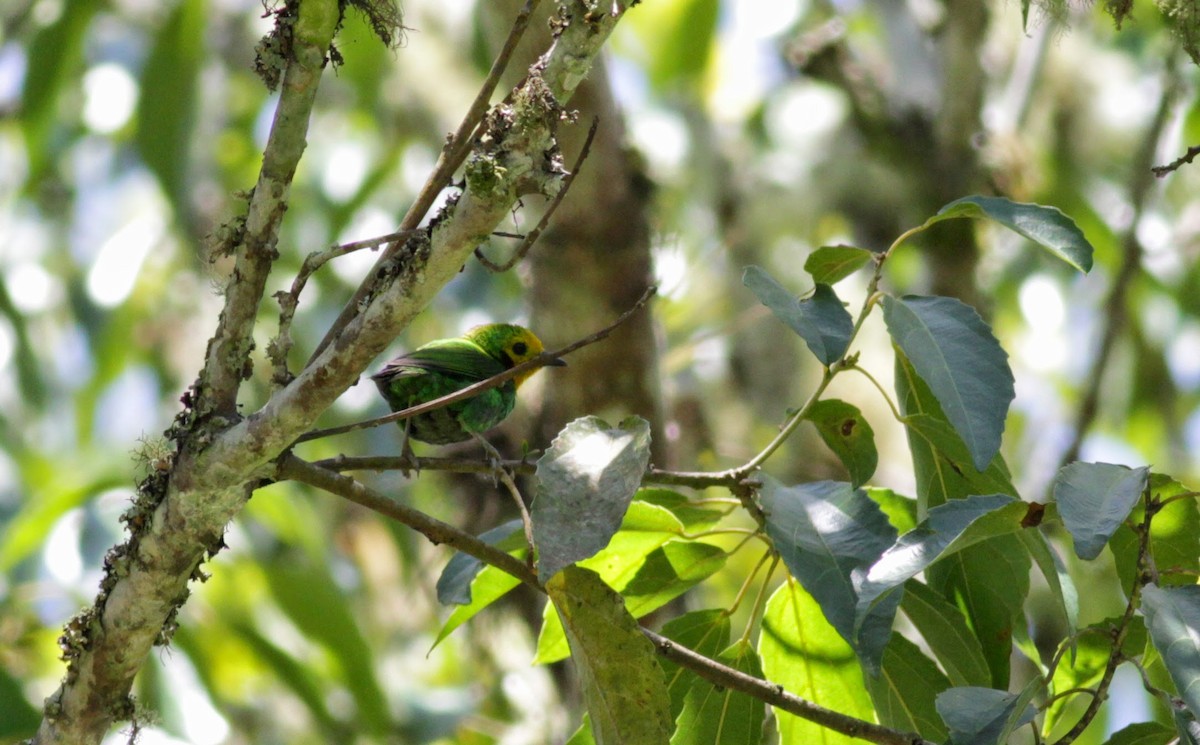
<point x="821" y="320"/>
<point x="297" y="677"/>
<point x="55" y="56"/>
<point x="705" y="632"/>
<point x="676" y="42"/>
<point x="1046" y="226"/>
<point x="1083" y="667"/>
<point x="307" y="593"/>
<point x="1174" y="537"/>
<point x="668" y="572"/>
<point x="948" y="529"/>
<point x="1173" y="618"/>
<point x="487" y="587"/>
<point x="586" y="481"/>
<point x="941" y="462"/>
<point x="61" y="485"/>
<point x="983" y="716"/>
<point x="454" y="584"/>
<point x="945" y="630"/>
<point x="901" y="511"/>
<point x="1062" y="587"/>
<point x="828" y="534"/>
<point x="583" y="735"/>
<point x="953" y="468"/>
<point x="1094" y="499"/>
<point x="905" y="689"/>
<point x="622" y="682"/>
<point x="167" y="102"/>
<point x="18" y="719"/>
<point x="719" y="715"/>
<point x="695" y="517"/>
<point x="848" y="435"/>
<point x="953" y="350"/>
<point x="803" y="653"/>
<point x="1142" y="733"/>
<point x="988" y="582"/>
<point x="645" y="529"/>
<point x="829" y="265"/>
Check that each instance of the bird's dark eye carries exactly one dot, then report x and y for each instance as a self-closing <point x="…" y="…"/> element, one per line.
<point x="520" y="348"/>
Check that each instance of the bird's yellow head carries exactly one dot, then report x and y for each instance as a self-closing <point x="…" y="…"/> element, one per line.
<point x="510" y="345"/>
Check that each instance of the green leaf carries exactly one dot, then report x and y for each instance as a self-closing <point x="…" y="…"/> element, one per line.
<point x="454" y="584"/>
<point x="901" y="511"/>
<point x="586" y="481"/>
<point x="705" y="632"/>
<point x="1174" y="537"/>
<point x="487" y="587"/>
<point x="695" y="517"/>
<point x="848" y="435"/>
<point x="829" y="265"/>
<point x="721" y="716"/>
<point x="1142" y="733"/>
<point x="945" y="630"/>
<point x="941" y="462"/>
<point x="989" y="581"/>
<point x="948" y="529"/>
<point x="668" y="572"/>
<point x="821" y="320"/>
<point x="983" y="716"/>
<point x="1094" y="499"/>
<point x="1059" y="581"/>
<point x="646" y="528"/>
<point x="309" y="596"/>
<point x="297" y="677"/>
<point x="828" y="534"/>
<point x="1046" y="226"/>
<point x="803" y="653"/>
<point x="676" y="42"/>
<point x="167" y="101"/>
<point x="54" y="60"/>
<point x="905" y="690"/>
<point x="18" y="719"/>
<point x="583" y="735"/>
<point x="955" y="353"/>
<point x="622" y="682"/>
<point x="1173" y="618"/>
<point x="1083" y="666"/>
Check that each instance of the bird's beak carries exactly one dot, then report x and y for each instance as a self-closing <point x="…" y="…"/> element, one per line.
<point x="555" y="362"/>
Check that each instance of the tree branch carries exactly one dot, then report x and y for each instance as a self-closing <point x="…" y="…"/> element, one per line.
<point x="438" y="532"/>
<point x="457" y="147"/>
<point x="180" y="515"/>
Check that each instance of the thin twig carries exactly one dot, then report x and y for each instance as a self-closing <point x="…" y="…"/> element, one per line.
<point x="1188" y="157"/>
<point x="545" y="358"/>
<point x="533" y="235"/>
<point x="458" y="145"/>
<point x="291" y="467"/>
<point x="279" y="347"/>
<point x="777" y="696"/>
<point x="295" y="469"/>
<point x="692" y="479"/>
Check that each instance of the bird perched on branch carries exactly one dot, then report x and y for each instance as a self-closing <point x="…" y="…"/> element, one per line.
<point x="444" y="366"/>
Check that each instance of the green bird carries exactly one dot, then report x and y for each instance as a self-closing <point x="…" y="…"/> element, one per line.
<point x="444" y="366"/>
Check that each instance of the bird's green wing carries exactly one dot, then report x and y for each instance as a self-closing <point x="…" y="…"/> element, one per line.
<point x="451" y="356"/>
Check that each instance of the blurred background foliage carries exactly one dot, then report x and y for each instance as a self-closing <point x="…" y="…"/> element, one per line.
<point x="741" y="132"/>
